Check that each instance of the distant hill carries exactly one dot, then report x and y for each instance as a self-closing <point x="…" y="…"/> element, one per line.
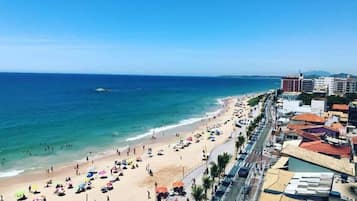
<point x="251" y="76"/>
<point x="343" y="75"/>
<point x="316" y="74"/>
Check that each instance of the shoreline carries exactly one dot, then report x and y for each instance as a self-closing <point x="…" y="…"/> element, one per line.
<point x="63" y="171"/>
<point x="136" y="140"/>
<point x="98" y="152"/>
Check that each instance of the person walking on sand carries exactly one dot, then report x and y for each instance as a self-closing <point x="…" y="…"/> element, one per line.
<point x="1" y="197"/>
<point x="108" y="198"/>
<point x="149" y="195"/>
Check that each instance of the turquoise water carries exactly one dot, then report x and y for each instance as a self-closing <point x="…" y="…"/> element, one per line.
<point x="296" y="165"/>
<point x="46" y="118"/>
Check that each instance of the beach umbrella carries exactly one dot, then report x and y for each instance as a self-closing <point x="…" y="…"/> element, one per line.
<point x="82" y="185"/>
<point x="178" y="184"/>
<point x="161" y="189"/>
<point x="34" y="188"/>
<point x="91" y="170"/>
<point x="102" y="174"/>
<point x="189" y="139"/>
<point x="90" y="174"/>
<point x="20" y="194"/>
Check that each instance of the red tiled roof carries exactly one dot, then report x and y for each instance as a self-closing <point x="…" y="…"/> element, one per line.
<point x="309" y="136"/>
<point x="318" y="146"/>
<point x="300" y="126"/>
<point x="313" y="118"/>
<point x="337" y="126"/>
<point x="340" y="107"/>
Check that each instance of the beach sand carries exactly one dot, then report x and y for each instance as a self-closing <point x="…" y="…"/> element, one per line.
<point x="135" y="184"/>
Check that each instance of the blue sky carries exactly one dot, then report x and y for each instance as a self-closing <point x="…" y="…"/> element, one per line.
<point x="178" y="37"/>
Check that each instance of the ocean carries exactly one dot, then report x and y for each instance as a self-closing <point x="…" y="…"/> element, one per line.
<point x="53" y="118"/>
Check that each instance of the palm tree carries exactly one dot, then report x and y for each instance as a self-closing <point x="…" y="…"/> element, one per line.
<point x="206" y="183"/>
<point x="197" y="193"/>
<point x="241" y="141"/>
<point x="214" y="172"/>
<point x="237" y="146"/>
<point x="222" y="161"/>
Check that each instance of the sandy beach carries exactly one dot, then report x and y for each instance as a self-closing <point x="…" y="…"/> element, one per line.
<point x="135" y="184"/>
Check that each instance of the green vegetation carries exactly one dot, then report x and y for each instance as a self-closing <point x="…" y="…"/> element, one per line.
<point x="206" y="184"/>
<point x="239" y="143"/>
<point x="197" y="193"/>
<point x="254" y="101"/>
<point x="346" y="99"/>
<point x="216" y="170"/>
<point x="254" y="124"/>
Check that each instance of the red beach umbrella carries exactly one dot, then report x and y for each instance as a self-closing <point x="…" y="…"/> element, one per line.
<point x="178" y="184"/>
<point x="161" y="189"/>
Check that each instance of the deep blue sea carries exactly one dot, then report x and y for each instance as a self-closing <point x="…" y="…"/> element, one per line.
<point x="46" y="118"/>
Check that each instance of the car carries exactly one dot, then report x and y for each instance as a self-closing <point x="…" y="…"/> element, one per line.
<point x="244" y="172"/>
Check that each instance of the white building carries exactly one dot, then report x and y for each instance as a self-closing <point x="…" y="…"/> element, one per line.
<point x="318" y="106"/>
<point x="294" y="106"/>
<point x="324" y="85"/>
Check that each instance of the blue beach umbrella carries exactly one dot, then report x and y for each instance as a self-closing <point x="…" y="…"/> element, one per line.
<point x="90" y="174"/>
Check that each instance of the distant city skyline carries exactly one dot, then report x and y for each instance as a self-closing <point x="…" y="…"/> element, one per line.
<point x="204" y="38"/>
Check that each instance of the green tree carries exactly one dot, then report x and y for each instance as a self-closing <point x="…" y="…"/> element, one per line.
<point x="238" y="144"/>
<point x="206" y="183"/>
<point x="241" y="141"/>
<point x="197" y="193"/>
<point x="214" y="172"/>
<point x="222" y="162"/>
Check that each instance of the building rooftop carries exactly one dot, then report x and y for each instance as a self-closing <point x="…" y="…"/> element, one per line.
<point x="337" y="126"/>
<point x="354" y="140"/>
<point x="281" y="163"/>
<point x="339" y="165"/>
<point x="282" y="185"/>
<point x="313" y="132"/>
<point x="310" y="184"/>
<point x="340" y="107"/>
<point x="276" y="180"/>
<point x="324" y="148"/>
<point x="309" y="117"/>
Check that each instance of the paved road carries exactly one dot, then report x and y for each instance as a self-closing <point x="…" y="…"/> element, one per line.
<point x="229" y="147"/>
<point x="238" y="184"/>
<point x="198" y="172"/>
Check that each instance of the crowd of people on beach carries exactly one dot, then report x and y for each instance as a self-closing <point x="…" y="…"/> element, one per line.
<point x="122" y="153"/>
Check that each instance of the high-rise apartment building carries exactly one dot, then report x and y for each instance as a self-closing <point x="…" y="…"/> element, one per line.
<point x="292" y="83"/>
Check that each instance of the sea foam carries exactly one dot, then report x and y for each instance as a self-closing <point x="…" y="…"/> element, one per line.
<point x="11" y="173"/>
<point x="180" y="123"/>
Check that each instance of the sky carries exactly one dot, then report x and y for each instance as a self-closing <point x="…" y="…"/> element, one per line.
<point x="178" y="37"/>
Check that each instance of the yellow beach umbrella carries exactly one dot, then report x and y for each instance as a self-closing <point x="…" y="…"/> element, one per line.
<point x="34" y="188"/>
